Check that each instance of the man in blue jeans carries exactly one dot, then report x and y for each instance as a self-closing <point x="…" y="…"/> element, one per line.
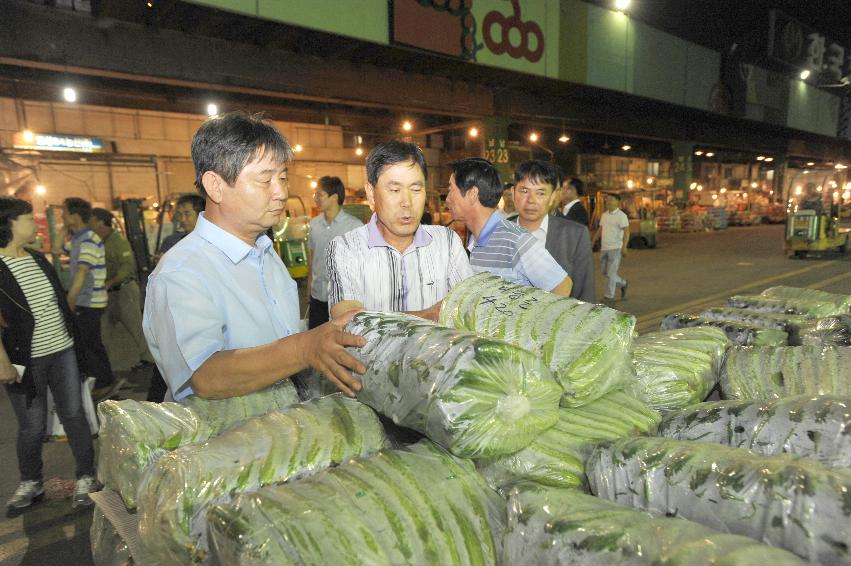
<point x="38" y="337"/>
<point x="614" y="228"/>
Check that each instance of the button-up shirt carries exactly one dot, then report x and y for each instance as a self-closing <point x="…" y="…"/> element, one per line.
<point x="363" y="267"/>
<point x="568" y="206"/>
<point x="213" y="292"/>
<point x="321" y="234"/>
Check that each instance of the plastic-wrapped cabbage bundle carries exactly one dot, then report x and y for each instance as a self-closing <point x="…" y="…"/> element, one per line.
<point x="783" y="305"/>
<point x="295" y="442"/>
<point x="418" y="505"/>
<point x="739" y="333"/>
<point x="676" y="368"/>
<point x="474" y="396"/>
<point x="828" y="331"/>
<point x="557" y="457"/>
<point x="108" y="549"/>
<point x="752" y="372"/>
<point x="789" y="323"/>
<point x="134" y="434"/>
<point x="586" y="346"/>
<point x="842" y="302"/>
<point x="785" y="501"/>
<point x="818" y="428"/>
<point x="555" y="527"/>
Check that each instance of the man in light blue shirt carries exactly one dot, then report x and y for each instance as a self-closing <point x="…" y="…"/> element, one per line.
<point x="499" y="246"/>
<point x="221" y="312"/>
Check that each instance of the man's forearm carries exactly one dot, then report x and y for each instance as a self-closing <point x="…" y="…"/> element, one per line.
<point x="238" y="372"/>
<point x="564" y="288"/>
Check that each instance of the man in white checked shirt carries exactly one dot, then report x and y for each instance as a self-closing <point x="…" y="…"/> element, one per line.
<point x="394" y="263"/>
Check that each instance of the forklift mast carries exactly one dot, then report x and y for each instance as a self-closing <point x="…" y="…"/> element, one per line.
<point x="134" y="224"/>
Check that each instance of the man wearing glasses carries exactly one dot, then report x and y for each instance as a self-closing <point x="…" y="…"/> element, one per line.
<point x="331" y="222"/>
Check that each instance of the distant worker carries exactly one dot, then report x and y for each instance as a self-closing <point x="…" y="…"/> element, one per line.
<point x="332" y="221"/>
<point x="125" y="299"/>
<point x="499" y="246"/>
<point x="87" y="296"/>
<point x="186" y="210"/>
<point x="570" y="206"/>
<point x="614" y="228"/>
<point x="567" y="241"/>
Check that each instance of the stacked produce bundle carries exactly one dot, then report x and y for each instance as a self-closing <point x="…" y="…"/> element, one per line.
<point x="557" y="456"/>
<point x="789" y="323"/>
<point x="585" y="346"/>
<point x="474" y="396"/>
<point x="134" y="434"/>
<point x="676" y="368"/>
<point x="765" y="372"/>
<point x="418" y="505"/>
<point x="827" y="331"/>
<point x="812" y="427"/>
<point x="739" y="333"/>
<point x="790" y="502"/>
<point x="108" y="548"/>
<point x="783" y="306"/>
<point x="549" y="526"/>
<point x="842" y="303"/>
<point x="274" y="448"/>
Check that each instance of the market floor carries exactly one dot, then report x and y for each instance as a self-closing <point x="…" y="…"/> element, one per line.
<point x="686" y="272"/>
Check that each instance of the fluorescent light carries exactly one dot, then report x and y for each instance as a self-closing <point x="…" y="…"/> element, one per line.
<point x="407" y="126"/>
<point x="533" y="137"/>
<point x="564" y="138"/>
<point x="69" y="94"/>
<point x="805" y="74"/>
<point x="626" y="147"/>
<point x="212" y="109"/>
<point x="474" y="132"/>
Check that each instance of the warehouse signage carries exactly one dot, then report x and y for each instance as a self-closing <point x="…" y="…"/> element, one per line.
<point x="801" y="47"/>
<point x="58" y="142"/>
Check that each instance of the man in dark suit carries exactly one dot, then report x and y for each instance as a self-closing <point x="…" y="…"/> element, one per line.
<point x="570" y="206"/>
<point x="567" y="241"/>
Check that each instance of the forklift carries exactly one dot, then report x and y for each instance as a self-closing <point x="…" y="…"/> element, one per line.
<point x="289" y="238"/>
<point x="812" y="225"/>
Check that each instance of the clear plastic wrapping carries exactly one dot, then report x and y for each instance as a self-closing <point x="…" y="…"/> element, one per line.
<point x="565" y="527"/>
<point x="586" y="346"/>
<point x="785" y="501"/>
<point x="789" y="323"/>
<point x="676" y="368"/>
<point x="764" y="372"/>
<point x="557" y="457"/>
<point x="841" y="302"/>
<point x="828" y="331"/>
<point x="739" y="333"/>
<point x="280" y="446"/>
<point x="474" y="396"/>
<point x="783" y="305"/>
<point x="133" y="434"/>
<point x="418" y="505"/>
<point x="818" y="428"/>
<point x="108" y="548"/>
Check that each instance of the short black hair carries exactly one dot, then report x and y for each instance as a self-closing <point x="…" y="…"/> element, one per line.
<point x="578" y="185"/>
<point x="10" y="209"/>
<point x="103" y="215"/>
<point x="478" y="172"/>
<point x="390" y="153"/>
<point x="333" y="186"/>
<point x="226" y="144"/>
<point x="540" y="171"/>
<point x="197" y="201"/>
<point x="76" y="205"/>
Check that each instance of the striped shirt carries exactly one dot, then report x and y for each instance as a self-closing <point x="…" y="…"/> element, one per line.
<point x="86" y="248"/>
<point x="363" y="267"/>
<point x="49" y="333"/>
<point x="510" y="251"/>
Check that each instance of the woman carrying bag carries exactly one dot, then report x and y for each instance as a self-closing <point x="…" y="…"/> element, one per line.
<point x="37" y="334"/>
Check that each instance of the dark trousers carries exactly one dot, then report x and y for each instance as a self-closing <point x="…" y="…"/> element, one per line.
<point x="318" y="313"/>
<point x="59" y="372"/>
<point x="158" y="388"/>
<point x="94" y="354"/>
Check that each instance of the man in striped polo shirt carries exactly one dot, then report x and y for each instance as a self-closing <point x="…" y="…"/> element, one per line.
<point x="499" y="246"/>
<point x="87" y="292"/>
<point x="394" y="263"/>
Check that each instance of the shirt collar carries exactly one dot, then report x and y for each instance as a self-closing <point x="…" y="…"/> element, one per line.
<point x="490" y="226"/>
<point x="81" y="232"/>
<point x="569" y="205"/>
<point x="230" y="245"/>
<point x="376" y="239"/>
<point x="545" y="224"/>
